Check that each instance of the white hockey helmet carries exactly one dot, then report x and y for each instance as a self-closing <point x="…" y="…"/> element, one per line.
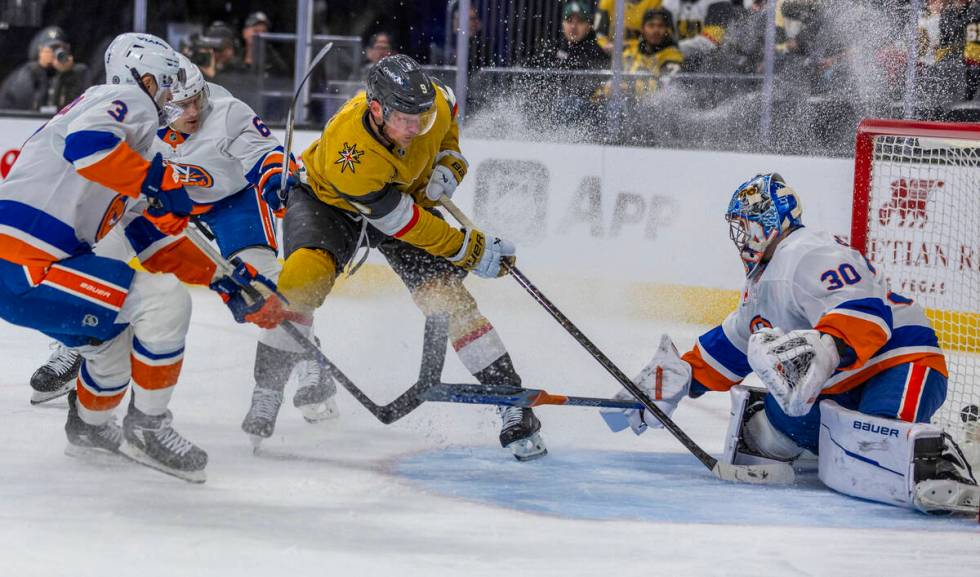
<point x="189" y="86"/>
<point x="144" y="54"/>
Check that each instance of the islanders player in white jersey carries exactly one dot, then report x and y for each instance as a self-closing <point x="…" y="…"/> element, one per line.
<point x="230" y="164"/>
<point x="77" y="177"/>
<point x="854" y="371"/>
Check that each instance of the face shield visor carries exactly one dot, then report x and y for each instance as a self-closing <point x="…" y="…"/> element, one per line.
<point x="169" y="112"/>
<point x="191" y="108"/>
<point x="416" y="124"/>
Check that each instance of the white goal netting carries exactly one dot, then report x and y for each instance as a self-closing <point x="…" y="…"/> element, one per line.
<point x="923" y="228"/>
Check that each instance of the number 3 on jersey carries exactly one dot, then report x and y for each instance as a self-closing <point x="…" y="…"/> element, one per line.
<point x="118" y="110"/>
<point x="845" y="274"/>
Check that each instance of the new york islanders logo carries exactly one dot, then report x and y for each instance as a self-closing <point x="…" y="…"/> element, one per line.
<point x="909" y="200"/>
<point x="758" y="323"/>
<point x="192" y="175"/>
<point x="349" y="156"/>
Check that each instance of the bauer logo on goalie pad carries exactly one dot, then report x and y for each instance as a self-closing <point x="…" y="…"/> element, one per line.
<point x="873" y="428"/>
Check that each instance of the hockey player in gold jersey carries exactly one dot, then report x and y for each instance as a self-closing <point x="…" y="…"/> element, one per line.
<point x="372" y="180"/>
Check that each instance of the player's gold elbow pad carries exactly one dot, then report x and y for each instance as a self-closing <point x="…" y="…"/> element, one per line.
<point x="306" y="279"/>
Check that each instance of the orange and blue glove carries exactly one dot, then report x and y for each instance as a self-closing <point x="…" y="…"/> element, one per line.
<point x="170" y="207"/>
<point x="267" y="312"/>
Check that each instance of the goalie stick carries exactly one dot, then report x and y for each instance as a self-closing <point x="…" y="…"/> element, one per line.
<point x="762" y="474"/>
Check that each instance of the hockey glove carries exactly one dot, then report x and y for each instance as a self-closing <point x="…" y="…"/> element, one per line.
<point x="794" y="366"/>
<point x="268" y="312"/>
<point x="271" y="192"/>
<point x="666" y="380"/>
<point x="170" y="207"/>
<point x="448" y="172"/>
<point x="484" y="255"/>
<point x="441" y="182"/>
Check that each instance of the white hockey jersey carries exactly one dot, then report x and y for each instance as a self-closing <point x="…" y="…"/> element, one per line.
<point x="77" y="176"/>
<point x="814" y="282"/>
<point x="233" y="150"/>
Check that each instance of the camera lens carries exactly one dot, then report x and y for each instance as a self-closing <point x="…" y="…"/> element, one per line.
<point x="201" y="57"/>
<point x="62" y="55"/>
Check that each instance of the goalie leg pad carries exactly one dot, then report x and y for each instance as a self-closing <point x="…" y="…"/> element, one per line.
<point x="751" y="438"/>
<point x="872" y="457"/>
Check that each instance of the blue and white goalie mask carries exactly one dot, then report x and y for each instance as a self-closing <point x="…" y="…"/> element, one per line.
<point x="761" y="210"/>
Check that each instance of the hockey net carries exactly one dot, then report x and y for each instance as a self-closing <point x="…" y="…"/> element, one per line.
<point x="917" y="214"/>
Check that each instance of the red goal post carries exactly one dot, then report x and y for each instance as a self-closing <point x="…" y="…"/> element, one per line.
<point x="916" y="213"/>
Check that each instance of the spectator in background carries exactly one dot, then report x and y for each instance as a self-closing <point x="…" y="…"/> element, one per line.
<point x="633" y="11"/>
<point x="379" y="45"/>
<point x="969" y="32"/>
<point x="224" y="43"/>
<point x="480" y="54"/>
<point x="655" y="51"/>
<point x="573" y="97"/>
<point x="50" y="80"/>
<point x="743" y="50"/>
<point x="258" y="23"/>
<point x="577" y="49"/>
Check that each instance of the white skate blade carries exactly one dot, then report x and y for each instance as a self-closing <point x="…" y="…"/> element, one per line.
<point x="135" y="454"/>
<point x="528" y="448"/>
<point x="93" y="455"/>
<point x="38" y="397"/>
<point x="319" y="412"/>
<point x="256" y="442"/>
<point x="946" y="496"/>
<point x="775" y="474"/>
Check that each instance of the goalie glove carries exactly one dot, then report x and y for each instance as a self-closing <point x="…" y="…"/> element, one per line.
<point x="666" y="380"/>
<point x="794" y="366"/>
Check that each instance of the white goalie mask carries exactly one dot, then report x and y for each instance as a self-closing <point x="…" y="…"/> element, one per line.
<point x="190" y="88"/>
<point x="132" y="55"/>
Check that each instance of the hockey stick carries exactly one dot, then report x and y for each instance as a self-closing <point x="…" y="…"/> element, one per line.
<point x="387" y="414"/>
<point x="290" y="127"/>
<point x="726" y="471"/>
<point x="515" y="397"/>
<point x="428" y="387"/>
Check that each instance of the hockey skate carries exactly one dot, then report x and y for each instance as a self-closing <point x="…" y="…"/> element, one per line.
<point x="519" y="433"/>
<point x="151" y="441"/>
<point x="951" y="486"/>
<point x="315" y="395"/>
<point x="260" y="421"/>
<point x="56" y="376"/>
<point x="85" y="440"/>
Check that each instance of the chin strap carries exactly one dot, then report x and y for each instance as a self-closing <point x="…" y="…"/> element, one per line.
<point x="162" y="116"/>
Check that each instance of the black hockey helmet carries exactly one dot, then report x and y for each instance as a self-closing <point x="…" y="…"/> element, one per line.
<point x="397" y="82"/>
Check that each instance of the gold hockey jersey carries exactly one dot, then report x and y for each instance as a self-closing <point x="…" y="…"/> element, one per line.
<point x="351" y="168"/>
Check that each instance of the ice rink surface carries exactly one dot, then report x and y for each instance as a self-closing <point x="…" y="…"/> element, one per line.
<point x="433" y="494"/>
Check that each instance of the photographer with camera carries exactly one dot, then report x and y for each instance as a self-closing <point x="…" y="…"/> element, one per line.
<point x="200" y="49"/>
<point x="50" y="80"/>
